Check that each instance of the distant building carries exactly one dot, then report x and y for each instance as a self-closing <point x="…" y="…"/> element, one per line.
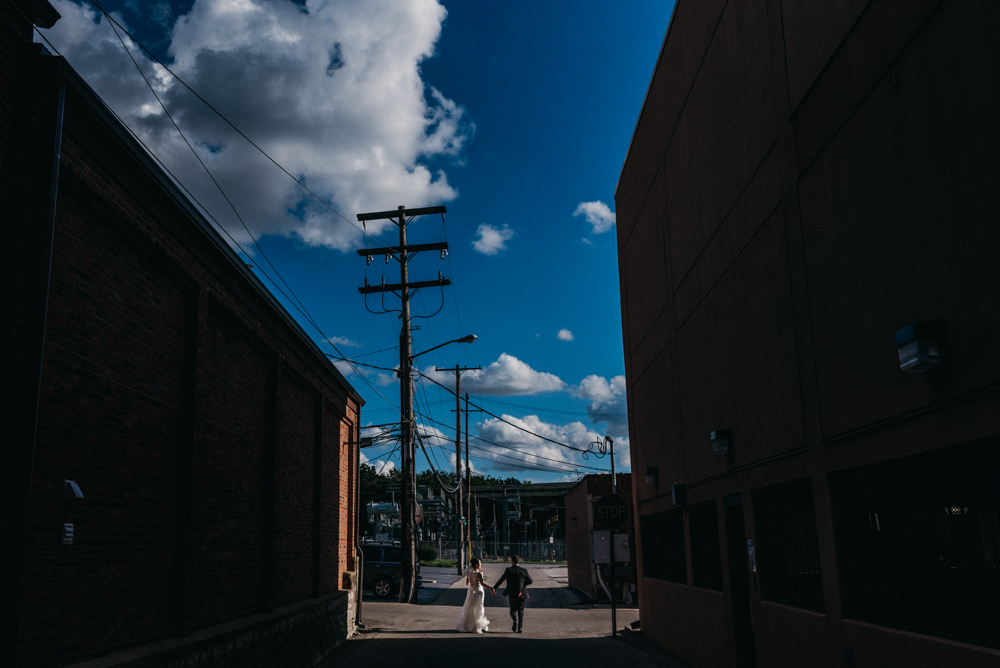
<point x="808" y="239"/>
<point x="180" y="458"/>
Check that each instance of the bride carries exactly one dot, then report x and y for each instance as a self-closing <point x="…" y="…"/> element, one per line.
<point x="472" y="618"/>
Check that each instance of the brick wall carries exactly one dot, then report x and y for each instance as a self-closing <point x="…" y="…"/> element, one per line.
<point x="211" y="440"/>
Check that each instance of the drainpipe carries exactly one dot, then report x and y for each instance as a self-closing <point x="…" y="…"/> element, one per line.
<point x="31" y="374"/>
<point x="359" y="553"/>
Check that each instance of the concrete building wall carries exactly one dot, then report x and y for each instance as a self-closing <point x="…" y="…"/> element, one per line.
<point x="580" y="565"/>
<point x="214" y="444"/>
<point x="806" y="179"/>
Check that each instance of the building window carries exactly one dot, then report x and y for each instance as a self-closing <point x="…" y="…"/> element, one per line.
<point x="663" y="546"/>
<point x="706" y="557"/>
<point x="787" y="548"/>
<point x="918" y="542"/>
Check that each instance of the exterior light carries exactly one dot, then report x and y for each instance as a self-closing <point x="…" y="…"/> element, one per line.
<point x="919" y="346"/>
<point x="678" y="494"/>
<point x="720" y="442"/>
<point x="469" y="338"/>
<point x="652" y="475"/>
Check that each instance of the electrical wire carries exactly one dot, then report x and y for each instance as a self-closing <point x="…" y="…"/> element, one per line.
<point x="114" y="22"/>
<point x="451" y="489"/>
<point x="291" y="298"/>
<point x="568" y="466"/>
<point x="290" y="295"/>
<point x="508" y="422"/>
<point x="538" y="409"/>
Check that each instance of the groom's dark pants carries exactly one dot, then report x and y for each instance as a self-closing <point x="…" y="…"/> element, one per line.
<point x="517" y="609"/>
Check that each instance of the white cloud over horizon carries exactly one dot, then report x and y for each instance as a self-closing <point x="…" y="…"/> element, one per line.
<point x="527" y="436"/>
<point x="513" y="443"/>
<point x="309" y="85"/>
<point x="507" y="376"/>
<point x="564" y="335"/>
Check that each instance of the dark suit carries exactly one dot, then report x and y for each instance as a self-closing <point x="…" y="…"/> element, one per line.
<point x="517" y="580"/>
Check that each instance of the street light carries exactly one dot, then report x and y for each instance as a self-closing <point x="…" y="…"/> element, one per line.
<point x="469" y="338"/>
<point x="409" y="500"/>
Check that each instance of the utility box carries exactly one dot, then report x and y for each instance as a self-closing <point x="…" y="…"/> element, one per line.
<point x="621" y="548"/>
<point x="605" y="541"/>
<point x="602" y="546"/>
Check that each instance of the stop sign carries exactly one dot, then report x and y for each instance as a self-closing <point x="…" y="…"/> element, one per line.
<point x="610" y="512"/>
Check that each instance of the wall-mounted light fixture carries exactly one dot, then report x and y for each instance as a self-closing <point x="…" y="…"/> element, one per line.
<point x="721" y="439"/>
<point x="919" y="346"/>
<point x="652" y="475"/>
<point x="678" y="494"/>
<point x="71" y="490"/>
<point x="70" y="493"/>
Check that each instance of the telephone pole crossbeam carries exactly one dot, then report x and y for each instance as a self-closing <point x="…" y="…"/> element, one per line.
<point x="396" y="287"/>
<point x="392" y="250"/>
<point x="401" y="211"/>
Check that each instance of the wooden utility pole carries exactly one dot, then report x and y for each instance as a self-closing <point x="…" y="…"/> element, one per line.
<point x="468" y="476"/>
<point x="460" y="555"/>
<point x="401" y="217"/>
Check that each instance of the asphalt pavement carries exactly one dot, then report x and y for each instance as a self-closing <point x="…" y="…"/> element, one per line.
<point x="562" y="628"/>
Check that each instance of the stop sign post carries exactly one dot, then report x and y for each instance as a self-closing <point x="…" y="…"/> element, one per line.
<point x="610" y="512"/>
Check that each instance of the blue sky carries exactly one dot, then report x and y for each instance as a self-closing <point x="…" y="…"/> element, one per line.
<point x="516" y="116"/>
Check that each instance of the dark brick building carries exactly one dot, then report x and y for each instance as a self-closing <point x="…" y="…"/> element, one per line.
<point x="214" y="445"/>
<point x="808" y="238"/>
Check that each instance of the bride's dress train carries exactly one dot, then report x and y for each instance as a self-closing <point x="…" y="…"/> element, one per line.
<point x="472" y="618"/>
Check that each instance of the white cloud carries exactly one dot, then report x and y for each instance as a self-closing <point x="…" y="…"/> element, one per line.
<point x="384" y="436"/>
<point x="343" y="341"/>
<point x="565" y="335"/>
<point x="513" y="444"/>
<point x="607" y="401"/>
<point x="492" y="239"/>
<point x="343" y="367"/>
<point x="598" y="214"/>
<point x="525" y="436"/>
<point x="329" y="90"/>
<point x="507" y="376"/>
<point x="381" y="466"/>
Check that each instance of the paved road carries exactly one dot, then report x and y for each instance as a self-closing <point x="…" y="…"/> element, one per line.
<point x="561" y="628"/>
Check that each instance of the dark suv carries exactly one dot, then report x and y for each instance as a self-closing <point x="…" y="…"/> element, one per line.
<point x="384" y="569"/>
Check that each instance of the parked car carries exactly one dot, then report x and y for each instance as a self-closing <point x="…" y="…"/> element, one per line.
<point x="384" y="569"/>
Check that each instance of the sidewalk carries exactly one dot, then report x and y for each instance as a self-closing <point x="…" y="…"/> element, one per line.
<point x="562" y="628"/>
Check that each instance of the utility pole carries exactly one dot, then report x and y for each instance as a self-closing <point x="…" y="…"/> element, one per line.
<point x="401" y="217"/>
<point x="460" y="554"/>
<point x="468" y="475"/>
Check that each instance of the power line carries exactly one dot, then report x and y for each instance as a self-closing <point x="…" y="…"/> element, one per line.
<point x="555" y="410"/>
<point x="292" y="298"/>
<point x="401" y="254"/>
<point x="508" y="422"/>
<point x="112" y="21"/>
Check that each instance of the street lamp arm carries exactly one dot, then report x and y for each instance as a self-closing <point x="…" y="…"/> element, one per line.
<point x="465" y="339"/>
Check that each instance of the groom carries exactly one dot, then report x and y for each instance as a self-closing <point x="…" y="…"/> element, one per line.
<point x="517" y="579"/>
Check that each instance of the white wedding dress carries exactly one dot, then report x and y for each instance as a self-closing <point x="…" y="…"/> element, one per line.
<point x="472" y="618"/>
